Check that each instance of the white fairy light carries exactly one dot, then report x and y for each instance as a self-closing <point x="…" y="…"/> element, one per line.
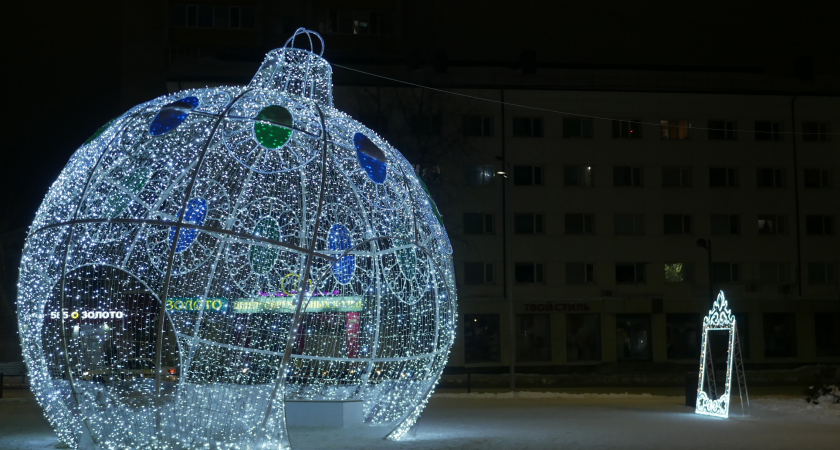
<point x="213" y="253"/>
<point x="720" y="318"/>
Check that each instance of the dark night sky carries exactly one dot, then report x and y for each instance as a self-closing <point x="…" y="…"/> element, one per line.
<point x="63" y="60"/>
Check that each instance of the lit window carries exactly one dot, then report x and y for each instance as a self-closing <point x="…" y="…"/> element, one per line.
<point x="674" y="129"/>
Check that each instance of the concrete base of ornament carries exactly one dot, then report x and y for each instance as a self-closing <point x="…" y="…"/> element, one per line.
<point x="333" y="414"/>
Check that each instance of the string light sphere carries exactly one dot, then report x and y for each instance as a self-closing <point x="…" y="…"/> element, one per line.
<point x="215" y="253"/>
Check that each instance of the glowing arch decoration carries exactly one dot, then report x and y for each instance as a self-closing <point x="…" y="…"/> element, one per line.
<point x="212" y="254"/>
<point x="720" y="318"/>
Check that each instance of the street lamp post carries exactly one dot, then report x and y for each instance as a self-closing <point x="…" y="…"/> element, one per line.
<point x="707" y="244"/>
<point x="508" y="269"/>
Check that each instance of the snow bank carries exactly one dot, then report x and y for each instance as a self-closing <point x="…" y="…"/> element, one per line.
<point x="537" y="395"/>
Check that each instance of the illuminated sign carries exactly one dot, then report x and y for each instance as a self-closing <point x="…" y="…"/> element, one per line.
<point x="287" y="305"/>
<point x="74" y="315"/>
<point x="264" y="304"/>
<point x="193" y="304"/>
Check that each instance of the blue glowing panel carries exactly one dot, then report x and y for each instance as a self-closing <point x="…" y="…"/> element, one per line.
<point x="370" y="158"/>
<point x="339" y="240"/>
<point x="172" y="115"/>
<point x="195" y="214"/>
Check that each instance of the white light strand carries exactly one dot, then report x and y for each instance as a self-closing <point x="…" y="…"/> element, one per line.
<point x="162" y="272"/>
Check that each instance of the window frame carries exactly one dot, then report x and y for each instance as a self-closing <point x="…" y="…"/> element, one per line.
<point x="722" y="130"/>
<point x="775" y="132"/>
<point x="779" y="224"/>
<point x="685" y="175"/>
<point x="820" y="134"/>
<point x="485" y="126"/>
<point x="585" y="128"/>
<point x="588" y="273"/>
<point x="681" y="126"/>
<point x="686" y="222"/>
<point x="534" y="127"/>
<point x="639" y="272"/>
<point x="632" y="130"/>
<point x="537" y="223"/>
<point x="583" y="175"/>
<point x="536" y="175"/>
<point x="826" y="225"/>
<point x="733" y="224"/>
<point x="586" y="219"/>
<point x="776" y="175"/>
<point x="538" y="272"/>
<point x="638" y="224"/>
<point x="486" y="268"/>
<point x="636" y="176"/>
<point x="486" y="219"/>
<point x="731" y="177"/>
<point x="823" y="178"/>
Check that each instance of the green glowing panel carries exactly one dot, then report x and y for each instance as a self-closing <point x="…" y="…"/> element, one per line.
<point x="262" y="257"/>
<point x="273" y="126"/>
<point x="99" y="131"/>
<point x="128" y="187"/>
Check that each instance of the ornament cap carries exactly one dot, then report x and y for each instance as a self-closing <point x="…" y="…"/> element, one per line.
<point x="297" y="71"/>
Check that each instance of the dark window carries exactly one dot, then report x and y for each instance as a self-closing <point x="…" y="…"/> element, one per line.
<point x="482" y="338"/>
<point x="205" y="16"/>
<point x="720" y="129"/>
<point x="770" y="177"/>
<point x="815" y="131"/>
<point x="827" y="332"/>
<point x="527" y="175"/>
<point x="726" y="273"/>
<point x="580" y="273"/>
<point x="676" y="177"/>
<point x="627" y="129"/>
<point x="478" y="175"/>
<point x="478" y="126"/>
<point x="817" y="178"/>
<point x="583" y="337"/>
<point x="478" y="223"/>
<point x="208" y="16"/>
<point x="527" y="127"/>
<point x="723" y="177"/>
<point x="726" y="224"/>
<point x="674" y="129"/>
<point x="577" y="128"/>
<point x="629" y="224"/>
<point x="627" y="176"/>
<point x="364" y="22"/>
<point x="677" y="224"/>
<point x="779" y="335"/>
<point x="629" y="273"/>
<point x="528" y="272"/>
<point x="773" y="272"/>
<point x="768" y="131"/>
<point x="579" y="224"/>
<point x="426" y="125"/>
<point x="771" y="224"/>
<point x="819" y="273"/>
<point x="178" y="15"/>
<point x="817" y="225"/>
<point x="632" y="334"/>
<point x="478" y="273"/>
<point x="577" y="176"/>
<point x="685" y="335"/>
<point x="527" y="223"/>
<point x="533" y="337"/>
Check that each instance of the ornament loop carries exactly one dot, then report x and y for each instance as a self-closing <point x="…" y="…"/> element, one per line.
<point x="291" y="41"/>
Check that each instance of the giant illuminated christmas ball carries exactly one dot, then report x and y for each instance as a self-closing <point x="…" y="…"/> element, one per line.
<point x="213" y="254"/>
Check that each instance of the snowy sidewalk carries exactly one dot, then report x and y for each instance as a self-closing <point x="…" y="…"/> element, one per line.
<point x="542" y="421"/>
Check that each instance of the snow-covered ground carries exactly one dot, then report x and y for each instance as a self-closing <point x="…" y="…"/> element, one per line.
<point x="531" y="420"/>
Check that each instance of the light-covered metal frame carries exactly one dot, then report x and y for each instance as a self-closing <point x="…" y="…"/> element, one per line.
<point x="214" y="253"/>
<point x="720" y="318"/>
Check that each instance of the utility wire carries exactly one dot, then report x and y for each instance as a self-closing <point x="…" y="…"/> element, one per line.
<point x="554" y="111"/>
